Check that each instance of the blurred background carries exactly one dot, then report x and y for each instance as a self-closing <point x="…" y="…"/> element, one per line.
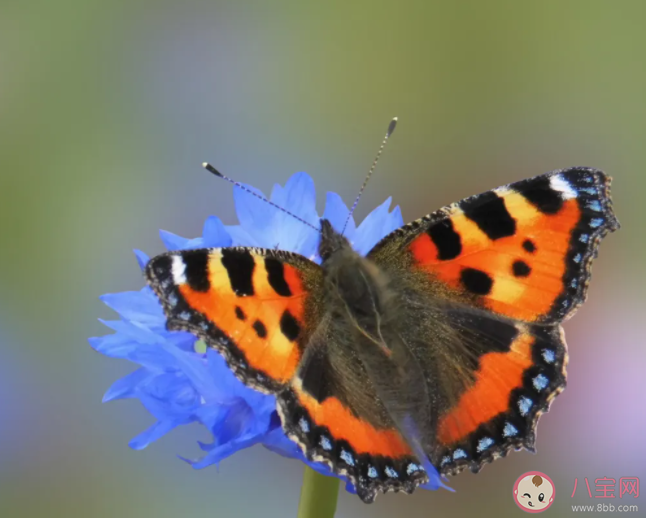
<point x="107" y="110"/>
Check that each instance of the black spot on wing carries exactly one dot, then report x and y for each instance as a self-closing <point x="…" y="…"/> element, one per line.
<point x="521" y="269"/>
<point x="540" y="194"/>
<point x="260" y="329"/>
<point x="239" y="265"/>
<point x="446" y="239"/>
<point x="481" y="334"/>
<point x="197" y="273"/>
<point x="476" y="281"/>
<point x="529" y="246"/>
<point x="276" y="276"/>
<point x="488" y="211"/>
<point x="289" y="326"/>
<point x="240" y="314"/>
<point x="316" y="375"/>
<point x="493" y="335"/>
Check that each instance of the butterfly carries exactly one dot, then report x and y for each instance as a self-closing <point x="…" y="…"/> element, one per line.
<point x="442" y="346"/>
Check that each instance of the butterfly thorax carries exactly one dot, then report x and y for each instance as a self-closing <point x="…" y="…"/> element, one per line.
<point x="356" y="289"/>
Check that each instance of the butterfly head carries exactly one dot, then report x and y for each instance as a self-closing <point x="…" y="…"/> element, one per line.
<point x="350" y="278"/>
<point x="331" y="241"/>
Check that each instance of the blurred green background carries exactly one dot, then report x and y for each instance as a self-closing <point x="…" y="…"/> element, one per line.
<point x="107" y="110"/>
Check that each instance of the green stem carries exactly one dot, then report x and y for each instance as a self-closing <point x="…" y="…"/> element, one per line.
<point x="318" y="495"/>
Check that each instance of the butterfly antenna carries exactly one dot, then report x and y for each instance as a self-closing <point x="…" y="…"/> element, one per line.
<point x="217" y="173"/>
<point x="389" y="132"/>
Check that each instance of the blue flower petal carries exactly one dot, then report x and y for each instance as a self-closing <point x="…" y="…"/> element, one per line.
<point x="229" y="384"/>
<point x="379" y="223"/>
<point x="138" y="306"/>
<point x="173" y="241"/>
<point x="434" y="483"/>
<point x="170" y="397"/>
<point x="132" y="330"/>
<point x="204" y="446"/>
<point x="255" y="215"/>
<point x="278" y="442"/>
<point x="299" y="197"/>
<point x="142" y="259"/>
<point x="195" y="369"/>
<point x="265" y="226"/>
<point x="213" y="417"/>
<point x="222" y="451"/>
<point x="156" y="431"/>
<point x="336" y="212"/>
<point x="240" y="237"/>
<point x="117" y="346"/>
<point x="126" y="387"/>
<point x="214" y="233"/>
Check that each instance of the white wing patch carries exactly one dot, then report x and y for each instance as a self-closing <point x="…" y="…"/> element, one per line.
<point x="178" y="269"/>
<point x="560" y="184"/>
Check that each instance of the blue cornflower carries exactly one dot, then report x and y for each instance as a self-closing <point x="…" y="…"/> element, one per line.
<point x="179" y="385"/>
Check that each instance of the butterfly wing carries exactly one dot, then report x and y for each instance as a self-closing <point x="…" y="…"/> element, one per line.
<point x="486" y="282"/>
<point x="522" y="251"/>
<point x="255" y="306"/>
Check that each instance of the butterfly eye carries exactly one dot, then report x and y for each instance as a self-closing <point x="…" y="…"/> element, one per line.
<point x="541" y="497"/>
<point x="528" y="495"/>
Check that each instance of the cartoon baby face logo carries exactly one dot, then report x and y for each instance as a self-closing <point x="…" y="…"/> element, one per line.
<point x="534" y="492"/>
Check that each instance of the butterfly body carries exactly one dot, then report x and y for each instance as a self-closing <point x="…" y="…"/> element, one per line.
<point x="366" y="354"/>
<point x="441" y="347"/>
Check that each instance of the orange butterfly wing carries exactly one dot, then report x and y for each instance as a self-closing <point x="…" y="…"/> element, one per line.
<point x="521" y="251"/>
<point x="375" y="459"/>
<point x="252" y="305"/>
